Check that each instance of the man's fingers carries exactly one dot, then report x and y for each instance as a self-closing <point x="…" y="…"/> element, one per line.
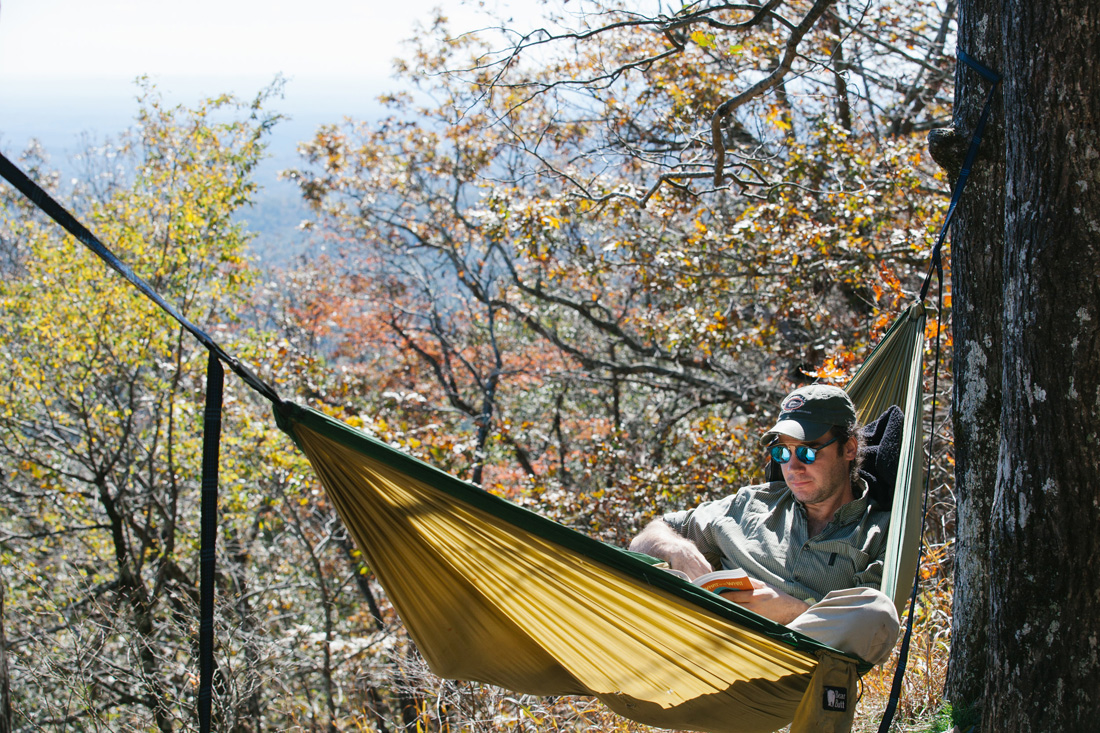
<point x="739" y="596"/>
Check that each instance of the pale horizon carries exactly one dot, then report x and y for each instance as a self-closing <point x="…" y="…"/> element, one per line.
<point x="69" y="67"/>
<point x="58" y="40"/>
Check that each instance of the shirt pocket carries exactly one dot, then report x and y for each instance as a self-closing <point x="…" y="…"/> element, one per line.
<point x="840" y="562"/>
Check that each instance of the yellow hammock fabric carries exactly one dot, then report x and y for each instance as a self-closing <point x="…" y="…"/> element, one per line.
<point x="493" y="593"/>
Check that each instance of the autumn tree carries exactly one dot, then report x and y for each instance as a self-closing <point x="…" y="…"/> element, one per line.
<point x="98" y="426"/>
<point x="565" y="206"/>
<point x="99" y="453"/>
<point x="600" y="254"/>
<point x="99" y="447"/>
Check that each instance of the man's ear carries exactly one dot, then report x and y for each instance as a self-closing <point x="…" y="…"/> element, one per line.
<point x="851" y="448"/>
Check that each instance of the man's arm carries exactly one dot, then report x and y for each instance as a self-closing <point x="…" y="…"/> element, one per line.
<point x="661" y="541"/>
<point x="768" y="601"/>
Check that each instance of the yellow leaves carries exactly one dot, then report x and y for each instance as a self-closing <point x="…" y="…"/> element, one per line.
<point x="778" y="117"/>
<point x="704" y="39"/>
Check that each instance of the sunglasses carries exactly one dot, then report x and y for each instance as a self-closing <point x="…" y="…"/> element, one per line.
<point x="782" y="453"/>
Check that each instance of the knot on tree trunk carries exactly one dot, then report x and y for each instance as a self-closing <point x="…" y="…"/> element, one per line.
<point x="948" y="148"/>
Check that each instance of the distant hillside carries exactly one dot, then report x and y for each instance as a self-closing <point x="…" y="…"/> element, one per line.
<point x="66" y="117"/>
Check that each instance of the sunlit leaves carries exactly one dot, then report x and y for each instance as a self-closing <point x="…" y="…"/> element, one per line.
<point x="101" y="400"/>
<point x="559" y="334"/>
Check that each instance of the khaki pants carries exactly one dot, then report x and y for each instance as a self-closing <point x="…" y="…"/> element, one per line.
<point x="859" y="621"/>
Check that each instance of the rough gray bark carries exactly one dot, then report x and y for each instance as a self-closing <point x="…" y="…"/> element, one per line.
<point x="1045" y="548"/>
<point x="5" y="696"/>
<point x="1030" y="596"/>
<point x="977" y="305"/>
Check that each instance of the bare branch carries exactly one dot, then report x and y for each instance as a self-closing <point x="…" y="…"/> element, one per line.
<point x="729" y="106"/>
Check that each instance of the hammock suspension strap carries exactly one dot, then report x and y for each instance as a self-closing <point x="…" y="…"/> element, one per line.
<point x="211" y="441"/>
<point x="971" y="155"/>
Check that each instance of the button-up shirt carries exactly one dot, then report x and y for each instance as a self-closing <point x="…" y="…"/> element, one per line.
<point x="764" y="530"/>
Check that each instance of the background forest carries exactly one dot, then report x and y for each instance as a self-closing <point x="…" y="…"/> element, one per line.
<point x="576" y="267"/>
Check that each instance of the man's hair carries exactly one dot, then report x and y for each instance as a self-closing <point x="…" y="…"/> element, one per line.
<point x="843" y="434"/>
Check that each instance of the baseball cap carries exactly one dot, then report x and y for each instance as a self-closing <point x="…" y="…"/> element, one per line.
<point x="808" y="413"/>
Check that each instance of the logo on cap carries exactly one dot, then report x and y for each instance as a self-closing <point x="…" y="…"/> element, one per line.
<point x="793" y="403"/>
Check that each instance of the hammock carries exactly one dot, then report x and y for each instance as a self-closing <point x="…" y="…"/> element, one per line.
<point x="493" y="593"/>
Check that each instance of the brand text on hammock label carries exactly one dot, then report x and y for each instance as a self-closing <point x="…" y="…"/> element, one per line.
<point x="835" y="699"/>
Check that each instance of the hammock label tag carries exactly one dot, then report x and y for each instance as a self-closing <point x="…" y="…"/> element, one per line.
<point x="835" y="699"/>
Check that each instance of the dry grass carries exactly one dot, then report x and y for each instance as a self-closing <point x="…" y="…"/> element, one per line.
<point x="922" y="688"/>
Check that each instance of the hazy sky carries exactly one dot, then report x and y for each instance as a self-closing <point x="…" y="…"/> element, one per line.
<point x="70" y="39"/>
<point x="68" y="66"/>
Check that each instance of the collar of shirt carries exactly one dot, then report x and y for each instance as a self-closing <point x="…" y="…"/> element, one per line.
<point x="850" y="512"/>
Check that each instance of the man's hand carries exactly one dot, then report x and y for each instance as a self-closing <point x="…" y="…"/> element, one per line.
<point x="768" y="601"/>
<point x="661" y="541"/>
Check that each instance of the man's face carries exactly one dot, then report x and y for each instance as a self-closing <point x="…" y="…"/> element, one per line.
<point x="825" y="478"/>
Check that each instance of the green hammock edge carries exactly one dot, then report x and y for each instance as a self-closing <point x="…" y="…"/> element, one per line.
<point x="288" y="414"/>
<point x="899" y="356"/>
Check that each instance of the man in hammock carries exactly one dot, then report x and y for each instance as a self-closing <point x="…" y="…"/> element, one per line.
<point x="813" y="544"/>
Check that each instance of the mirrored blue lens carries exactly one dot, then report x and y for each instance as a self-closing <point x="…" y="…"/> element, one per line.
<point x="782" y="454"/>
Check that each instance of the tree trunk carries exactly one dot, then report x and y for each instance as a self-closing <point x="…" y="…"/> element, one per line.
<point x="1038" y="616"/>
<point x="977" y="304"/>
<point x="5" y="687"/>
<point x="1045" y="559"/>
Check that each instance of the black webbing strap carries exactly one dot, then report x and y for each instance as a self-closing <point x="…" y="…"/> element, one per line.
<point x="211" y="441"/>
<point x="215" y="377"/>
<point x="964" y="174"/>
<point x="936" y="267"/>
